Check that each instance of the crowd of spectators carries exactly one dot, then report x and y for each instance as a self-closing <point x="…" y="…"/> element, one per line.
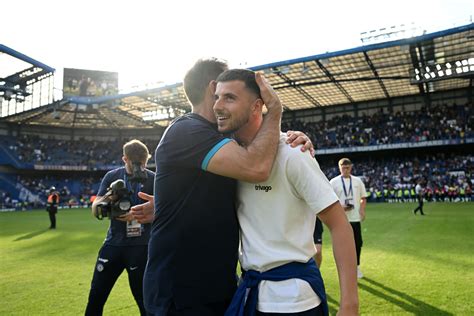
<point x="440" y="122"/>
<point x="35" y="150"/>
<point x="34" y="190"/>
<point x="444" y="176"/>
<point x="5" y="199"/>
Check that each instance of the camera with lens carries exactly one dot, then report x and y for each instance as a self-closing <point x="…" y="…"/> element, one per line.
<point x="138" y="173"/>
<point x="349" y="204"/>
<point x="119" y="201"/>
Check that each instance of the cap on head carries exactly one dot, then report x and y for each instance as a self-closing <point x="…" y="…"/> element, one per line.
<point x="345" y="162"/>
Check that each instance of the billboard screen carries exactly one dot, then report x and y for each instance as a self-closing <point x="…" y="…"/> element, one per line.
<point x="89" y="83"/>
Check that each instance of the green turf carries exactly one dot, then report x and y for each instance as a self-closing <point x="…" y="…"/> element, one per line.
<point x="413" y="265"/>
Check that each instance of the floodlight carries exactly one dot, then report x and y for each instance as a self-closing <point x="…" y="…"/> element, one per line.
<point x="431" y="71"/>
<point x="7" y="95"/>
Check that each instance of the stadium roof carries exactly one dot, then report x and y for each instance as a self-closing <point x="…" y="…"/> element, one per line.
<point x="425" y="64"/>
<point x="18" y="71"/>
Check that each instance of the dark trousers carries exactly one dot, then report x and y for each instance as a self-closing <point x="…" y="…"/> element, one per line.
<point x="52" y="219"/>
<point x="357" y="238"/>
<point x="111" y="261"/>
<point x="420" y="206"/>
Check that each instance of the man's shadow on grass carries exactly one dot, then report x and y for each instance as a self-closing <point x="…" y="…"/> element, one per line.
<point x="32" y="234"/>
<point x="404" y="301"/>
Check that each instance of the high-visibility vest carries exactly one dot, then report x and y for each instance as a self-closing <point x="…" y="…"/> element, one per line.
<point x="50" y="198"/>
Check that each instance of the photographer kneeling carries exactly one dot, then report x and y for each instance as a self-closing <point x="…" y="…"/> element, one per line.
<point x="126" y="244"/>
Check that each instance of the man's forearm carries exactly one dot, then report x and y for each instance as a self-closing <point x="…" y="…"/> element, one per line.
<point x="345" y="255"/>
<point x="363" y="204"/>
<point x="263" y="149"/>
<point x="346" y="262"/>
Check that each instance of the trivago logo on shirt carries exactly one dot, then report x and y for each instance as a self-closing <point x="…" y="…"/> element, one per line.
<point x="265" y="188"/>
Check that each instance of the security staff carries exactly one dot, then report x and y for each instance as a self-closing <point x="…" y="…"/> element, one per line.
<point x="126" y="244"/>
<point x="52" y="206"/>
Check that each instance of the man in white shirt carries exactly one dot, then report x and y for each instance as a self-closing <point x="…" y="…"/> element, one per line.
<point x="277" y="218"/>
<point x="419" y="196"/>
<point x="352" y="196"/>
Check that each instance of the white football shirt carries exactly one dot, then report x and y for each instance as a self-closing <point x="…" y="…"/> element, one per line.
<point x="277" y="220"/>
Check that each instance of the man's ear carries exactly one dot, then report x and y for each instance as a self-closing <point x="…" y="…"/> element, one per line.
<point x="212" y="86"/>
<point x="258" y="105"/>
<point x="124" y="159"/>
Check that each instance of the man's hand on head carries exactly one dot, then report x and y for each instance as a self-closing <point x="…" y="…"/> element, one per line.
<point x="296" y="138"/>
<point x="269" y="96"/>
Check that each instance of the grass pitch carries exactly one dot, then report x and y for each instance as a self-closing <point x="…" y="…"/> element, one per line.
<point x="413" y="265"/>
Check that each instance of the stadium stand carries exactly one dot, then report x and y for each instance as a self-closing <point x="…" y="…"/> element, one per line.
<point x="442" y="122"/>
<point x="401" y="110"/>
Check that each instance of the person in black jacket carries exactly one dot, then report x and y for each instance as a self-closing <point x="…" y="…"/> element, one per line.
<point x="52" y="206"/>
<point x="126" y="244"/>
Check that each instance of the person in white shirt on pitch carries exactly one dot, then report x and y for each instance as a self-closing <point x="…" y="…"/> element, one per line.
<point x="277" y="218"/>
<point x="353" y="198"/>
<point x="419" y="195"/>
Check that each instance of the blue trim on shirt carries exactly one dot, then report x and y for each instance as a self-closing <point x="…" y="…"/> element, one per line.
<point x="212" y="152"/>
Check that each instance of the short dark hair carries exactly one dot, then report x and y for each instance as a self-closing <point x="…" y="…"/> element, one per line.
<point x="198" y="77"/>
<point x="136" y="151"/>
<point x="345" y="162"/>
<point x="245" y="75"/>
